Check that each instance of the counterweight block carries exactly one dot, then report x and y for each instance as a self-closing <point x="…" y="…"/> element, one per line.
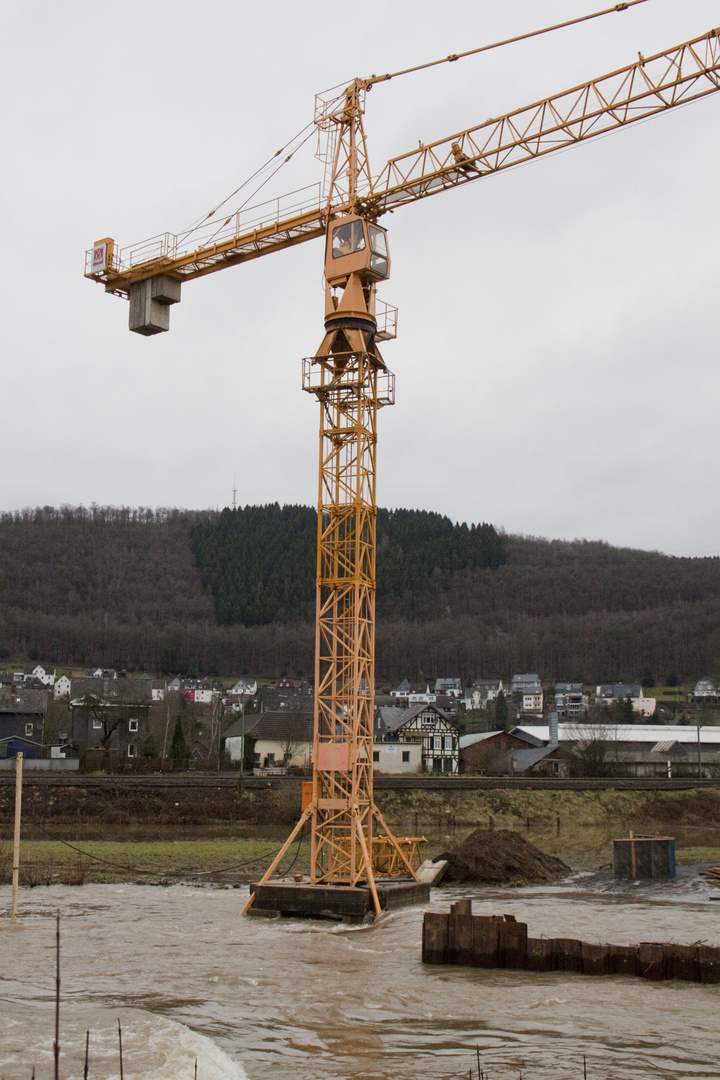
<point x="150" y="302"/>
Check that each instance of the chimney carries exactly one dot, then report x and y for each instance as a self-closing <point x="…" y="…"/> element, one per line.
<point x="553" y="722"/>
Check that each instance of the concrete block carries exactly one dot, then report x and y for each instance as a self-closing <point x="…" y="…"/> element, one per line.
<point x="150" y="302"/>
<point x="147" y="316"/>
<point x="165" y="290"/>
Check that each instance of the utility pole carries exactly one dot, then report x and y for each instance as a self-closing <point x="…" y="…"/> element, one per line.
<point x="242" y="750"/>
<point x="16" y="835"/>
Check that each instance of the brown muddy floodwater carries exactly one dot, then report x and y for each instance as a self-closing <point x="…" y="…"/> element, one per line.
<point x="314" y="1000"/>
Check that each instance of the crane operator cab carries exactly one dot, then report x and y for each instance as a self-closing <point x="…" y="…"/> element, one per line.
<point x="356" y="246"/>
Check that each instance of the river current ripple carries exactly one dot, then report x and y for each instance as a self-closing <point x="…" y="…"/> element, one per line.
<point x="312" y="1000"/>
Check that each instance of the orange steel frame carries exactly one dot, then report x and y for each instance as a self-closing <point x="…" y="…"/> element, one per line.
<point x="351" y="388"/>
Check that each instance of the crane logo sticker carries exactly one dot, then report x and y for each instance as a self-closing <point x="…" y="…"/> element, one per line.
<point x="98" y="258"/>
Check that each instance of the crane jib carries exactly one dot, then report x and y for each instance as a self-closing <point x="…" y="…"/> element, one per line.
<point x="643" y="89"/>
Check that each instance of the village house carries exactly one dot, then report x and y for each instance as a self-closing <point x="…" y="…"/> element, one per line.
<point x="111" y="714"/>
<point x="425" y="725"/>
<point x="396" y="758"/>
<point x="244" y="688"/>
<point x="570" y="702"/>
<point x="199" y="691"/>
<point x="236" y="736"/>
<point x="274" y="698"/>
<point x="42" y="673"/>
<point x="487" y="752"/>
<point x="62" y="687"/>
<point x="482" y="691"/>
<point x="407" y="694"/>
<point x="282" y="740"/>
<point x="609" y="693"/>
<point x="528" y="683"/>
<point x="449" y="687"/>
<point x="22" y="721"/>
<point x="705" y="689"/>
<point x="158" y="689"/>
<point x="532" y="703"/>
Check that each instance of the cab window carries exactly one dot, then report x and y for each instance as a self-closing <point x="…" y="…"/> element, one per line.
<point x="378" y="241"/>
<point x="347" y="239"/>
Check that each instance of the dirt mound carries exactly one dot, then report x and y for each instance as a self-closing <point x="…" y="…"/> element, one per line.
<point x="499" y="857"/>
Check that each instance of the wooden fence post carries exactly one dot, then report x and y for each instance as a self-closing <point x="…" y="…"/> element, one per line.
<point x="16" y="835"/>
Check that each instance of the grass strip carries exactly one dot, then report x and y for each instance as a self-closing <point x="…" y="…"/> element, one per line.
<point x="46" y="862"/>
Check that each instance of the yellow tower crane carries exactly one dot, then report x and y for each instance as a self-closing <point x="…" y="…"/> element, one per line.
<point x="351" y="381"/>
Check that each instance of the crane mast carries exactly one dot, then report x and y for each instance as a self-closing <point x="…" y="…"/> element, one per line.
<point x="351" y="382"/>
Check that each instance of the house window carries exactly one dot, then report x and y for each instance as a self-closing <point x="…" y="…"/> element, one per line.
<point x="406" y="755"/>
<point x="437" y="742"/>
<point x="437" y="764"/>
<point x="270" y="759"/>
<point x="376" y="755"/>
<point x="132" y="750"/>
<point x="448" y="742"/>
<point x="428" y="721"/>
<point x="97" y="723"/>
<point x="256" y="759"/>
<point x="28" y="729"/>
<point x="133" y="725"/>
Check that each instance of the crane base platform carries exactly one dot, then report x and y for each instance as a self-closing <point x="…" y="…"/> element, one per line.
<point x="341" y="902"/>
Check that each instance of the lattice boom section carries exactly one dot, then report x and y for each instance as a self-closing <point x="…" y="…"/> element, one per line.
<point x="347" y="387"/>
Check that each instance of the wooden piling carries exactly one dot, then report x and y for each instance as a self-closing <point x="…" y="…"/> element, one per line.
<point x="460" y="939"/>
<point x="485" y="941"/>
<point x="512" y="945"/>
<point x="539" y="956"/>
<point x="594" y="959"/>
<point x="566" y="954"/>
<point x="708" y="958"/>
<point x="493" y="941"/>
<point x="651" y="960"/>
<point x="622" y="960"/>
<point x="436" y="925"/>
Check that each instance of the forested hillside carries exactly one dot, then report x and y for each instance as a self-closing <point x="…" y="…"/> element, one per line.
<point x="259" y="563"/>
<point x="206" y="592"/>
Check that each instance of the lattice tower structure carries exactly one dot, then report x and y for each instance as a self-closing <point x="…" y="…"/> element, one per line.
<point x="351" y="387"/>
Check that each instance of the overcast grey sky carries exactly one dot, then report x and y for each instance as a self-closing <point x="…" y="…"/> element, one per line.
<point x="557" y="354"/>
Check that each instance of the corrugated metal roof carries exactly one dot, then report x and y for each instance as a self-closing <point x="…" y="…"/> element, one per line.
<point x="667" y="745"/>
<point x="637" y="733"/>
